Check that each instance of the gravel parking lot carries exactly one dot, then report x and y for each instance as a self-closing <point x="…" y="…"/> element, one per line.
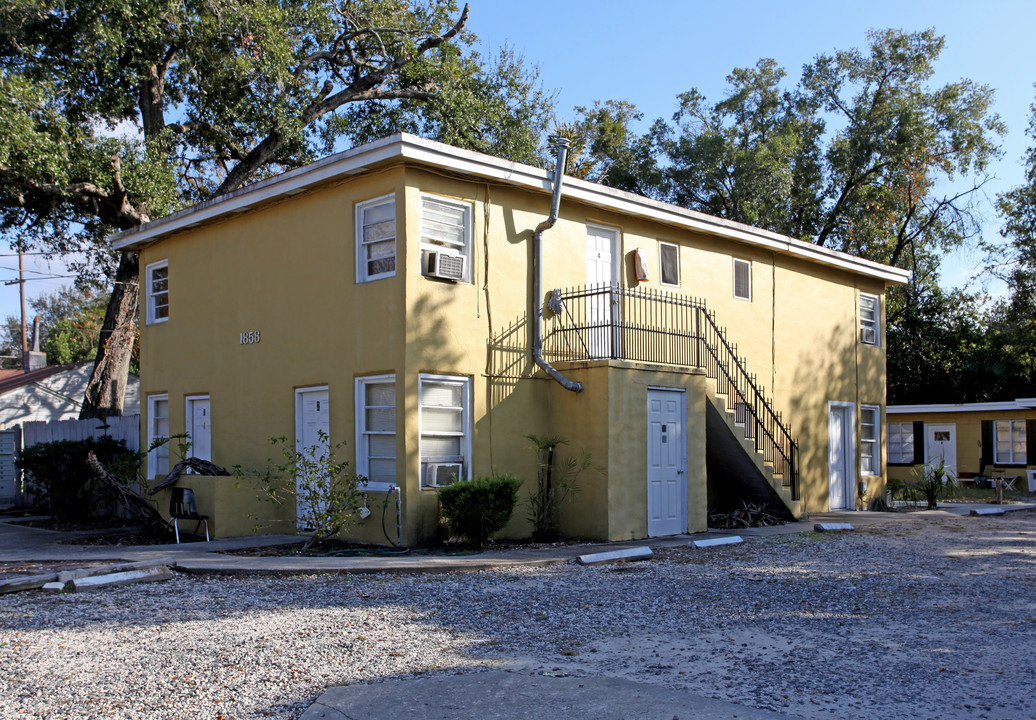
<point x="931" y="618"/>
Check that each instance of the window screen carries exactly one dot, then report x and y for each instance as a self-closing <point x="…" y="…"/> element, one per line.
<point x="870" y="316"/>
<point x="669" y="261"/>
<point x="376" y="233"/>
<point x="742" y="279"/>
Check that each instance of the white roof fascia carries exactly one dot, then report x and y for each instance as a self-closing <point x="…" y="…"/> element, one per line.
<point x="466" y="162"/>
<point x="1020" y="404"/>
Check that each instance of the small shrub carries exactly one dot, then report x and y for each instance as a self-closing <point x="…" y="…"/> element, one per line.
<point x="326" y="495"/>
<point x="934" y="482"/>
<point x="477" y="509"/>
<point x="61" y="481"/>
<point x="555" y="481"/>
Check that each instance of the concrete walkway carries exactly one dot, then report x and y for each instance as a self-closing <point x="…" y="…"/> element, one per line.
<point x="482" y="695"/>
<point x="23" y="543"/>
<point x="499" y="695"/>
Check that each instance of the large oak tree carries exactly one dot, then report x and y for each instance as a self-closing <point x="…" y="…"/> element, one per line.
<point x="113" y="112"/>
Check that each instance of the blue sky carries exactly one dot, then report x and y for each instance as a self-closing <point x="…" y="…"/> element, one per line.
<point x="649" y="51"/>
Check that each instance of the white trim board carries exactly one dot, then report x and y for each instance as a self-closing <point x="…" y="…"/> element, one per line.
<point x="1020" y="404"/>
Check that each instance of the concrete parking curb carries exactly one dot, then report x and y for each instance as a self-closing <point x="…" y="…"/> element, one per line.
<point x="27" y="544"/>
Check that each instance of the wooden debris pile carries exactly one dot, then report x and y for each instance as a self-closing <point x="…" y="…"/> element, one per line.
<point x="748" y="515"/>
<point x="143" y="513"/>
<point x="91" y="578"/>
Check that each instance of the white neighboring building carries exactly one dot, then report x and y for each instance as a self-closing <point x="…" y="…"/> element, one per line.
<point x="52" y="393"/>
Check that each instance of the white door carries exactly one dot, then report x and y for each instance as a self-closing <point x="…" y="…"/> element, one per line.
<point x="312" y="432"/>
<point x="602" y="270"/>
<point x="840" y="456"/>
<point x="940" y="446"/>
<point x="199" y="427"/>
<point x="667" y="463"/>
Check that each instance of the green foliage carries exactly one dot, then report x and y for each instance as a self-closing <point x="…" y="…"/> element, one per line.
<point x="938" y="349"/>
<point x="606" y="150"/>
<point x="477" y="509"/>
<point x="325" y="494"/>
<point x="934" y="482"/>
<point x="114" y="112"/>
<point x="495" y="106"/>
<point x="60" y="480"/>
<point x="70" y="320"/>
<point x="556" y="479"/>
<point x="851" y="158"/>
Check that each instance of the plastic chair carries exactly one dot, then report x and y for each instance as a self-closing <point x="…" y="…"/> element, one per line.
<point x="182" y="506"/>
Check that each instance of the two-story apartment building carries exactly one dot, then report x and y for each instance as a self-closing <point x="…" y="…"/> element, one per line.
<point x="391" y="296"/>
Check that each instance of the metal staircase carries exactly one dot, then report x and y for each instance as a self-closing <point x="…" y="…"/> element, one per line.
<point x="609" y="321"/>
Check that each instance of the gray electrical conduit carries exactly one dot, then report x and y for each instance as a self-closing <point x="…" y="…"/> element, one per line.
<point x="537" y="281"/>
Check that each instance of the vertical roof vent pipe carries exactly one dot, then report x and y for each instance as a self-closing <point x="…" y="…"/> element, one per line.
<point x="537" y="269"/>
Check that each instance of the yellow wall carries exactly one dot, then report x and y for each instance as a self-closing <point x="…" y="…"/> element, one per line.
<point x="288" y="270"/>
<point x="968" y="427"/>
<point x="609" y="419"/>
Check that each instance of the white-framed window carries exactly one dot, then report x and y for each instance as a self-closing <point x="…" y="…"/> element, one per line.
<point x="157" y="279"/>
<point x="742" y="279"/>
<point x="669" y="264"/>
<point x="446" y="238"/>
<point x="445" y="427"/>
<point x="376" y="430"/>
<point x="157" y="429"/>
<point x="1010" y="445"/>
<point x="376" y="239"/>
<point x="870" y="432"/>
<point x="870" y="319"/>
<point x="901" y="443"/>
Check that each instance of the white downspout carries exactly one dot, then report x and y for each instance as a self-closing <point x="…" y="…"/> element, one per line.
<point x="537" y="267"/>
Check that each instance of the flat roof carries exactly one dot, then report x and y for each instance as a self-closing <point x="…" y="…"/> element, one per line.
<point x="410" y="149"/>
<point x="1019" y="404"/>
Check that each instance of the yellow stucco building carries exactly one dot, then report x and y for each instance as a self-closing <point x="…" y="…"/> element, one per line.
<point x="987" y="439"/>
<point x="386" y="295"/>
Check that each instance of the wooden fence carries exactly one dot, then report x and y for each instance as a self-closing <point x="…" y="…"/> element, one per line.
<point x="125" y="428"/>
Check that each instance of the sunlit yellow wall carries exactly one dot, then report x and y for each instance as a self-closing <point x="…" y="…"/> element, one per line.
<point x="609" y="420"/>
<point x="799" y="333"/>
<point x="288" y="271"/>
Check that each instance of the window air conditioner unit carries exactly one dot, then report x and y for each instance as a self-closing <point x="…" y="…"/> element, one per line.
<point x="445" y="266"/>
<point x="868" y="336"/>
<point x="442" y="474"/>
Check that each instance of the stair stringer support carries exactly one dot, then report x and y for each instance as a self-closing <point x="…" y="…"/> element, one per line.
<point x="736" y="472"/>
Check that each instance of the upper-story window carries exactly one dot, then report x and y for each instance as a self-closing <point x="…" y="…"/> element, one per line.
<point x="669" y="264"/>
<point x="870" y="319"/>
<point x="445" y="239"/>
<point x="376" y="239"/>
<point x="157" y="279"/>
<point x="742" y="279"/>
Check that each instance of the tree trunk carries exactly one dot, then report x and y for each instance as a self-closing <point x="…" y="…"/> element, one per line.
<point x="107" y="388"/>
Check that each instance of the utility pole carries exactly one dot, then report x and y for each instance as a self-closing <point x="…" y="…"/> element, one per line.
<point x="21" y="292"/>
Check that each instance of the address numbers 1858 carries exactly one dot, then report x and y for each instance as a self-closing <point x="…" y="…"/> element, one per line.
<point x="250" y="338"/>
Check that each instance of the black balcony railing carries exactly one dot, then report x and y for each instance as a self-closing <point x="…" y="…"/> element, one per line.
<point x="608" y="321"/>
